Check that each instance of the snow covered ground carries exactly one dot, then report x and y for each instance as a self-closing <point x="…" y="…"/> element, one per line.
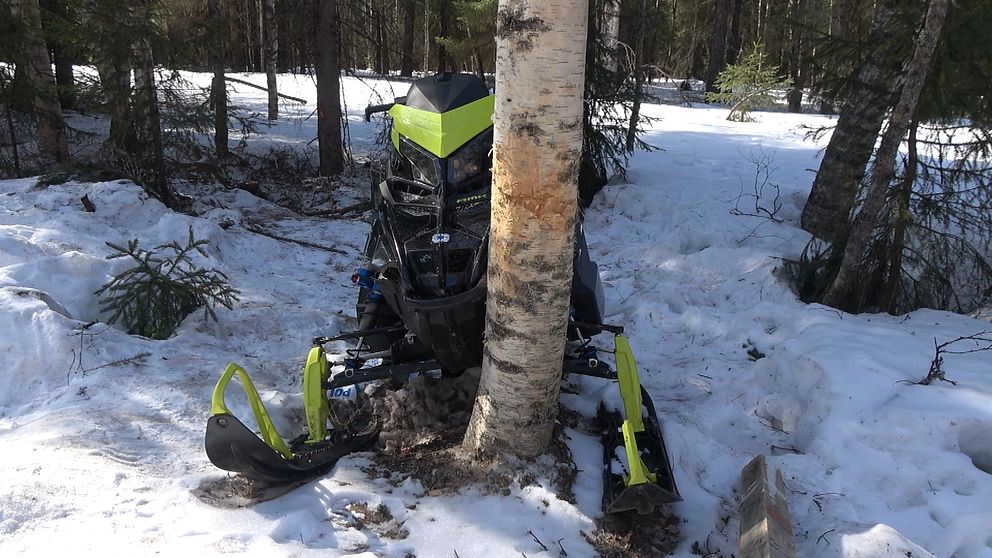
<point x="101" y="432"/>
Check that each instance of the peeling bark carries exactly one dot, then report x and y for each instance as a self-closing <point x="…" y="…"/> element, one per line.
<point x="540" y="79"/>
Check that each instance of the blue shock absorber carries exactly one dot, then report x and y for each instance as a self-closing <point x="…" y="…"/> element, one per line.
<point x="363" y="278"/>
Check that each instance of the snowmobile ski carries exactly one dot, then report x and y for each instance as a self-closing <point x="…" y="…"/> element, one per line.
<point x="641" y="477"/>
<point x="232" y="446"/>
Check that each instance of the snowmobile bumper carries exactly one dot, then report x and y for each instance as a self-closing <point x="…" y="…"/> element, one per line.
<point x="232" y="446"/>
<point x="641" y="477"/>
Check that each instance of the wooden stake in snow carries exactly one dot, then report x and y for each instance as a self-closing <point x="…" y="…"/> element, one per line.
<point x="540" y="75"/>
<point x="765" y="528"/>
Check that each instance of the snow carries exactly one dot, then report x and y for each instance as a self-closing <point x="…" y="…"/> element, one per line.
<point x="102" y="431"/>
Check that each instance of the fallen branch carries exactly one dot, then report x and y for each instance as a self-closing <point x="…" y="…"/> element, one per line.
<point x="266" y="89"/>
<point x="537" y="540"/>
<point x="337" y="212"/>
<point x="259" y="230"/>
<point x="982" y="340"/>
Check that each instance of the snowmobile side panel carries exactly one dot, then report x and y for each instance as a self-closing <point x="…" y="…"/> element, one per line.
<point x="315" y="375"/>
<point x="269" y="433"/>
<point x="441" y="133"/>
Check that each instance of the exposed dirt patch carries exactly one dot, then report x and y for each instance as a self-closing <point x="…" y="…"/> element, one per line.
<point x="631" y="535"/>
<point x="378" y="519"/>
<point x="426" y="411"/>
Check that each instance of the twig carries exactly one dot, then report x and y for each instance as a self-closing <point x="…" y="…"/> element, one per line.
<point x="266" y="89"/>
<point x="537" y="540"/>
<point x="259" y="230"/>
<point x="788" y="449"/>
<point x="562" y="553"/>
<point x="339" y="211"/>
<point x="136" y="358"/>
<point x="982" y="339"/>
<point x="931" y="487"/>
<point x="824" y="537"/>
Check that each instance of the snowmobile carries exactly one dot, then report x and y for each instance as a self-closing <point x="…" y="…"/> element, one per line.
<point x="421" y="309"/>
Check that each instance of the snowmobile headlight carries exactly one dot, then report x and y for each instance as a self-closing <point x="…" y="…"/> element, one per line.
<point x="471" y="159"/>
<point x="424" y="165"/>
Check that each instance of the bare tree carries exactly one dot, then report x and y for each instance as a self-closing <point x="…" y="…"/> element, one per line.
<point x="540" y="69"/>
<point x="52" y="145"/>
<point x="328" y="89"/>
<point x="840" y="293"/>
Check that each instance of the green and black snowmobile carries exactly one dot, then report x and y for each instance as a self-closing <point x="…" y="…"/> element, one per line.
<point x="421" y="309"/>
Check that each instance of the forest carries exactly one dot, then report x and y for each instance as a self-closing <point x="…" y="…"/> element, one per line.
<point x="783" y="208"/>
<point x="926" y="247"/>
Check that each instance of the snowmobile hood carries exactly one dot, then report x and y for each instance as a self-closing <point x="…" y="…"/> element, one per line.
<point x="441" y="133"/>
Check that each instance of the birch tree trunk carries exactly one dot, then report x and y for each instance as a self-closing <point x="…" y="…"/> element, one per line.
<point x="271" y="57"/>
<point x="328" y="89"/>
<point x="842" y="290"/>
<point x="609" y="24"/>
<point x="52" y="145"/>
<point x="540" y="67"/>
<point x="835" y="187"/>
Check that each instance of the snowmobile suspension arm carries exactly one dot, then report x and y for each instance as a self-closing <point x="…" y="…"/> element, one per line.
<point x="399" y="371"/>
<point x="358" y="334"/>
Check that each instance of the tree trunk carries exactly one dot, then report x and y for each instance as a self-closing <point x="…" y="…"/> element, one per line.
<point x="797" y="11"/>
<point x="609" y="25"/>
<point x="271" y="58"/>
<point x="56" y="24"/>
<point x="842" y="292"/>
<point x="835" y="187"/>
<point x="442" y="52"/>
<point x="901" y="220"/>
<point x="427" y="35"/>
<point x="147" y="118"/>
<point x="52" y="145"/>
<point x="540" y="66"/>
<point x="328" y="89"/>
<point x="718" y="46"/>
<point x="235" y="36"/>
<point x="736" y="39"/>
<point x="838" y="66"/>
<point x="406" y="60"/>
<point x="635" y="109"/>
<point x="218" y="87"/>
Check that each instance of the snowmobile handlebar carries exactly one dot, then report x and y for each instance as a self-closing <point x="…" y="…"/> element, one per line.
<point x="373" y="109"/>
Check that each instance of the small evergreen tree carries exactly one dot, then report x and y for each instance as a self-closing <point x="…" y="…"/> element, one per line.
<point x="153" y="297"/>
<point x="747" y="86"/>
